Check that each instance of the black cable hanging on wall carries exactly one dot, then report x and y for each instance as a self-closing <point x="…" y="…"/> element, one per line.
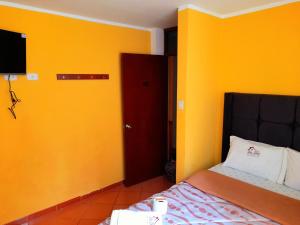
<point x="14" y="99"/>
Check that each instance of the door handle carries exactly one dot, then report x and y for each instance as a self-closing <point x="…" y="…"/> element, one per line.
<point x="128" y="126"/>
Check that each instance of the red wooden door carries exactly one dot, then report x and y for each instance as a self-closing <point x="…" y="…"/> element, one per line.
<point x="144" y="92"/>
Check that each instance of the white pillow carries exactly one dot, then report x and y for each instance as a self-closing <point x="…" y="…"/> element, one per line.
<point x="258" y="159"/>
<point x="293" y="170"/>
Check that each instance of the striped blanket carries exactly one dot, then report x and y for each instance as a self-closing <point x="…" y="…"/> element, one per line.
<point x="188" y="205"/>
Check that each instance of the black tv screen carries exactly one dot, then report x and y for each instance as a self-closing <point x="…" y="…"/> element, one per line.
<point x="12" y="52"/>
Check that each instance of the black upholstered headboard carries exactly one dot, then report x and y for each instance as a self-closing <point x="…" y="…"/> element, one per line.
<point x="271" y="119"/>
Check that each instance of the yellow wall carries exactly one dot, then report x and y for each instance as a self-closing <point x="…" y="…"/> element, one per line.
<point x="67" y="140"/>
<point x="196" y="86"/>
<point x="253" y="53"/>
<point x="260" y="53"/>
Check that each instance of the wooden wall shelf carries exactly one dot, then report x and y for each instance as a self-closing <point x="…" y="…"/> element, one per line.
<point x="82" y="76"/>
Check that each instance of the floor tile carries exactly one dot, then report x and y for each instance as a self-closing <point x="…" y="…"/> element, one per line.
<point x="107" y="197"/>
<point x="115" y="188"/>
<point x="156" y="185"/>
<point x="74" y="211"/>
<point x="44" y="219"/>
<point x="90" y="221"/>
<point x="120" y="206"/>
<point x="145" y="195"/>
<point x="128" y="197"/>
<point x="97" y="211"/>
<point x="133" y="188"/>
<point x="96" y="208"/>
<point x="62" y="222"/>
<point x="54" y="221"/>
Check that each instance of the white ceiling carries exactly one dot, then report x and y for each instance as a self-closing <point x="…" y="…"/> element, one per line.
<point x="144" y="13"/>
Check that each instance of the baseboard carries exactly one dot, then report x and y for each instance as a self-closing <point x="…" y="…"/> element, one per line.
<point x="27" y="219"/>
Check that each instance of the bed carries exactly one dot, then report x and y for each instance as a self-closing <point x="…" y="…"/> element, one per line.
<point x="270" y="119"/>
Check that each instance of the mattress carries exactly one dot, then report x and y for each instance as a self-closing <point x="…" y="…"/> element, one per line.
<point x="188" y="205"/>
<point x="257" y="181"/>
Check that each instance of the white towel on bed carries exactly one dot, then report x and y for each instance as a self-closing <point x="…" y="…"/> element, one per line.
<point x="127" y="217"/>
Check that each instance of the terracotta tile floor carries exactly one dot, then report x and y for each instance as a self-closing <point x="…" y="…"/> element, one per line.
<point x="95" y="209"/>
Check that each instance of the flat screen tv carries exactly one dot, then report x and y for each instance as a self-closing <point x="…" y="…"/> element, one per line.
<point x="12" y="52"/>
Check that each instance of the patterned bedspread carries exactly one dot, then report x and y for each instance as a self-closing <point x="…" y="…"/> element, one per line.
<point x="188" y="205"/>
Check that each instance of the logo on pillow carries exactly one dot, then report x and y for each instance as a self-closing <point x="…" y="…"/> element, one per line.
<point x="253" y="152"/>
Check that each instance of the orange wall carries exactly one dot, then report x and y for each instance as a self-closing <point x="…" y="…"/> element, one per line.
<point x="260" y="53"/>
<point x="253" y="53"/>
<point x="196" y="87"/>
<point x="67" y="139"/>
